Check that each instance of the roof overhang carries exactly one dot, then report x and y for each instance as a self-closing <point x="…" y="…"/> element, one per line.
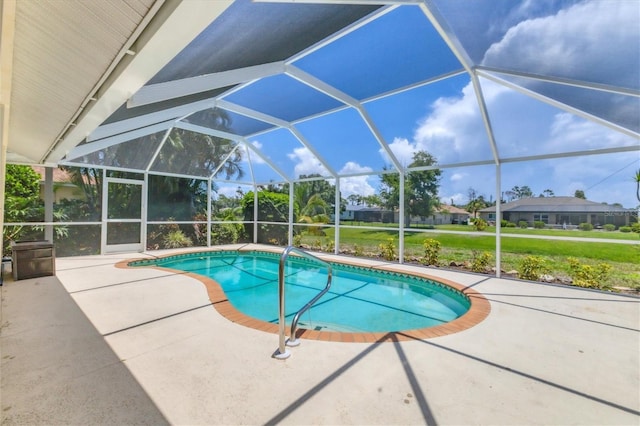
<point x="92" y="67"/>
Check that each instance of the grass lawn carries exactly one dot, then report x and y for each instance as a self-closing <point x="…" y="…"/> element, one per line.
<point x="624" y="258"/>
<point x="615" y="235"/>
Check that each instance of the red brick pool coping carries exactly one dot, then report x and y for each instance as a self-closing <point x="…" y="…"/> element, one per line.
<point x="477" y="312"/>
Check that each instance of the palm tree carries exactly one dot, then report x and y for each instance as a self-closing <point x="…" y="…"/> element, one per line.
<point x="313" y="207"/>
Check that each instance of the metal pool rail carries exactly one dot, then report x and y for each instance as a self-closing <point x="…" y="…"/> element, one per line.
<point x="282" y="352"/>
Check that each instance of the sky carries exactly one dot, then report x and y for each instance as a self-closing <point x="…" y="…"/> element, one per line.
<point x="593" y="41"/>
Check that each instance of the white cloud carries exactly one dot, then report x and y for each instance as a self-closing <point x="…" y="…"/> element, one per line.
<point x="306" y="162"/>
<point x="457" y="198"/>
<point x="357" y="184"/>
<point x="255" y="158"/>
<point x="458" y="177"/>
<point x="402" y="149"/>
<point x="227" y="190"/>
<point x="590" y="40"/>
<point x="574" y="133"/>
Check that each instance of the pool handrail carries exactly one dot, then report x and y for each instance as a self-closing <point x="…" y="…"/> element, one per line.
<point x="282" y="352"/>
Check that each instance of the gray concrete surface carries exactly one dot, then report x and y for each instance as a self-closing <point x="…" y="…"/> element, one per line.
<point x="545" y="355"/>
<point x="56" y="369"/>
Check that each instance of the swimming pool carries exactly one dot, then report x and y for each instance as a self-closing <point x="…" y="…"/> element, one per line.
<point x="361" y="300"/>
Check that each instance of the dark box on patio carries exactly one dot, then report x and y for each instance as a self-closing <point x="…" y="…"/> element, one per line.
<point x="32" y="259"/>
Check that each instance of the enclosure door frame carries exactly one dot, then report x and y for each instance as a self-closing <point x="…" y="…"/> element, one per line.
<point x="109" y="223"/>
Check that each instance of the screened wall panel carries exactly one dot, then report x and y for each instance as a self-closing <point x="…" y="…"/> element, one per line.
<point x="195" y="154"/>
<point x="227" y="121"/>
<point x="283" y="97"/>
<point x="176" y="199"/>
<point x="133" y="154"/>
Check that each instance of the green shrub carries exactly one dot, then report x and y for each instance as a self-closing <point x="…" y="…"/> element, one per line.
<point x="625" y="229"/>
<point x="636" y="227"/>
<point x="523" y="224"/>
<point x="357" y="250"/>
<point x="297" y="240"/>
<point x="388" y="250"/>
<point x="226" y="233"/>
<point x="538" y="224"/>
<point x="480" y="224"/>
<point x="431" y="251"/>
<point x="176" y="239"/>
<point x="504" y="223"/>
<point x="589" y="276"/>
<point x="532" y="268"/>
<point x="609" y="227"/>
<point x="585" y="227"/>
<point x="481" y="261"/>
<point x="511" y="225"/>
<point x="330" y="247"/>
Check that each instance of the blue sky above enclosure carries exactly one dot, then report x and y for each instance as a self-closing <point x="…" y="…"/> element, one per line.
<point x="557" y="80"/>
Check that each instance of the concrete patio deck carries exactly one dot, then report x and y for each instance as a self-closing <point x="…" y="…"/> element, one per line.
<point x="102" y="345"/>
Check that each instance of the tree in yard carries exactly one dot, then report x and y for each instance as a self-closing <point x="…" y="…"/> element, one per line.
<point x="22" y="201"/>
<point x="355" y="199"/>
<point x="372" y="200"/>
<point x="272" y="207"/>
<point x="476" y="203"/>
<point x="547" y="193"/>
<point x="580" y="194"/>
<point x="420" y="188"/>
<point x="519" y="192"/>
<point x="315" y="200"/>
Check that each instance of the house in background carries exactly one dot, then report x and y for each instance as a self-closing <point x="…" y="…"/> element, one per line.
<point x="557" y="212"/>
<point x="62" y="186"/>
<point x="364" y="213"/>
<point x="443" y="215"/>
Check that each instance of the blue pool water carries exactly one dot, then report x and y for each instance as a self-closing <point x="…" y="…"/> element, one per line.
<point x="360" y="299"/>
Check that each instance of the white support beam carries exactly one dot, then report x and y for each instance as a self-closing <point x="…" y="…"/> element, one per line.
<point x="207" y="131"/>
<point x="225" y="159"/>
<point x="295" y="132"/>
<point x="276" y="122"/>
<point x="157" y="152"/>
<point x="485" y="118"/>
<point x="314" y="82"/>
<point x="563" y="81"/>
<point x="557" y="104"/>
<point x="7" y="37"/>
<point x="413" y="86"/>
<point x="402" y="214"/>
<point x="175" y="25"/>
<point x="569" y="154"/>
<point x="498" y="220"/>
<point x="331" y="91"/>
<point x="267" y="160"/>
<point x="229" y="106"/>
<point x="129" y="124"/>
<point x="439" y="23"/>
<point x="88" y="148"/>
<point x="188" y="86"/>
